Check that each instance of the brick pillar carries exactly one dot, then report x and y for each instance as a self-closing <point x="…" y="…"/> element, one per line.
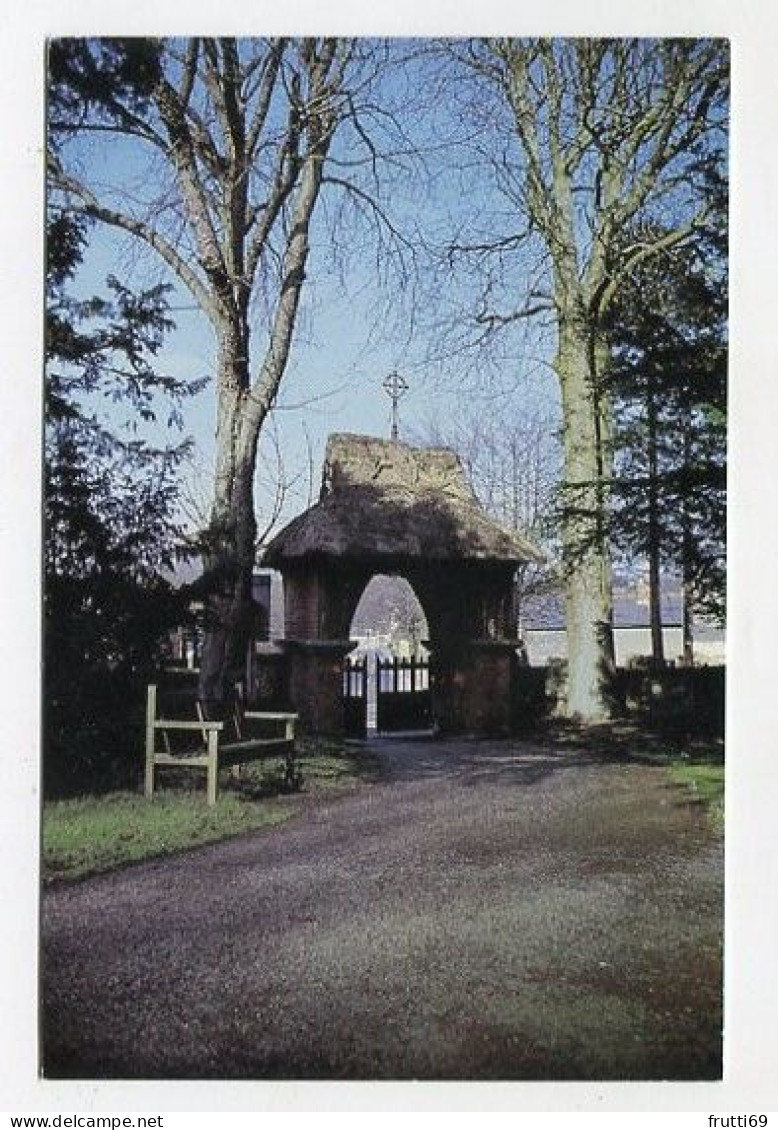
<point x="316" y="683"/>
<point x="472" y="692"/>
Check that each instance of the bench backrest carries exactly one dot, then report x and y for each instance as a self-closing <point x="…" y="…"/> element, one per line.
<point x="232" y="717"/>
<point x="176" y="698"/>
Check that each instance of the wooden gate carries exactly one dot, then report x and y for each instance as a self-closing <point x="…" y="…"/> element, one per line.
<point x="355" y="697"/>
<point x="403" y="697"/>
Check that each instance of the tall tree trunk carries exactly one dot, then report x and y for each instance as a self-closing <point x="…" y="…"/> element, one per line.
<point x="242" y="410"/>
<point x="243" y="403"/>
<point x="654" y="532"/>
<point x="230" y="543"/>
<point x="585" y="551"/>
<point x="603" y="424"/>
<point x="655" y="604"/>
<point x="686" y="557"/>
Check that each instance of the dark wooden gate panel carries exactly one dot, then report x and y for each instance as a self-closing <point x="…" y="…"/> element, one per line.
<point x="355" y="697"/>
<point x="403" y="698"/>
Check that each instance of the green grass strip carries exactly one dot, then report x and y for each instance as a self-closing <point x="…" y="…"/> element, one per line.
<point x="705" y="781"/>
<point x="90" y="834"/>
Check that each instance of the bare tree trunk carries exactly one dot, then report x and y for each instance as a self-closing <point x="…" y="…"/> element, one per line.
<point x="603" y="423"/>
<point x="242" y="410"/>
<point x="655" y="605"/>
<point x="686" y="554"/>
<point x="654" y="535"/>
<point x="688" y="622"/>
<point x="230" y="541"/>
<point x="587" y="563"/>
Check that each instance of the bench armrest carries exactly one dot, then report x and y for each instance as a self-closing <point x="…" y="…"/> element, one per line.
<point x="180" y="724"/>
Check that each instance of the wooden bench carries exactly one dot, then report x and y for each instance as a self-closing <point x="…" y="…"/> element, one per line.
<point x="218" y="744"/>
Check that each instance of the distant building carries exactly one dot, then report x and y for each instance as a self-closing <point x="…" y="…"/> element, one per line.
<point x="542" y="625"/>
<point x="268" y="596"/>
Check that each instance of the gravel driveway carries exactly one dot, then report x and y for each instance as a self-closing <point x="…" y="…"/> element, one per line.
<point x="487" y="910"/>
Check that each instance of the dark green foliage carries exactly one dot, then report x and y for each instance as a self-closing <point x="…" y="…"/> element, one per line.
<point x="110" y="498"/>
<point x="681" y="703"/>
<point x="665" y="382"/>
<point x="668" y="383"/>
<point x="101" y="79"/>
<point x="678" y="703"/>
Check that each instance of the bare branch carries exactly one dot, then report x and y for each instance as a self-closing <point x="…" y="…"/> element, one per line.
<point x="182" y="151"/>
<point x="91" y="206"/>
<point x="268" y="77"/>
<point x="638" y="253"/>
<point x="373" y="206"/>
<point x="495" y="320"/>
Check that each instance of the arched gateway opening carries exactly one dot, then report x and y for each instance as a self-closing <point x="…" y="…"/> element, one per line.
<point x="387" y="508"/>
<point x="387" y="677"/>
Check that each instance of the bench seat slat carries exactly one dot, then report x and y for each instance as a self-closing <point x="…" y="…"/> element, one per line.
<point x="254" y="743"/>
<point x="271" y="715"/>
<point x="184" y="759"/>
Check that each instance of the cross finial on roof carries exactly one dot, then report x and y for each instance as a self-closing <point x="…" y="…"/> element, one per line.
<point x="395" y="387"/>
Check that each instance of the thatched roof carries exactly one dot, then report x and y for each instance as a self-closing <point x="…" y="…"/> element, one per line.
<point x="383" y="500"/>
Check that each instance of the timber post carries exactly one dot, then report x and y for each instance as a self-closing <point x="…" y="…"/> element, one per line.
<point x="151" y="714"/>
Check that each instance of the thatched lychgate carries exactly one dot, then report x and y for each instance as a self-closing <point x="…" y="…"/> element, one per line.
<point x="386" y="507"/>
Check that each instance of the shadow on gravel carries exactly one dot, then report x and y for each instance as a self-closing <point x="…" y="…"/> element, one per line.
<point x="476" y="761"/>
<point x="526" y="760"/>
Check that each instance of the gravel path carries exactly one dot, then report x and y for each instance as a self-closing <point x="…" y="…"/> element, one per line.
<point x="488" y="910"/>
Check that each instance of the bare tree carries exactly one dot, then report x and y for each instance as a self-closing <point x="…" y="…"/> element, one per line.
<point x="511" y="459"/>
<point x="590" y="135"/>
<point x="242" y="134"/>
